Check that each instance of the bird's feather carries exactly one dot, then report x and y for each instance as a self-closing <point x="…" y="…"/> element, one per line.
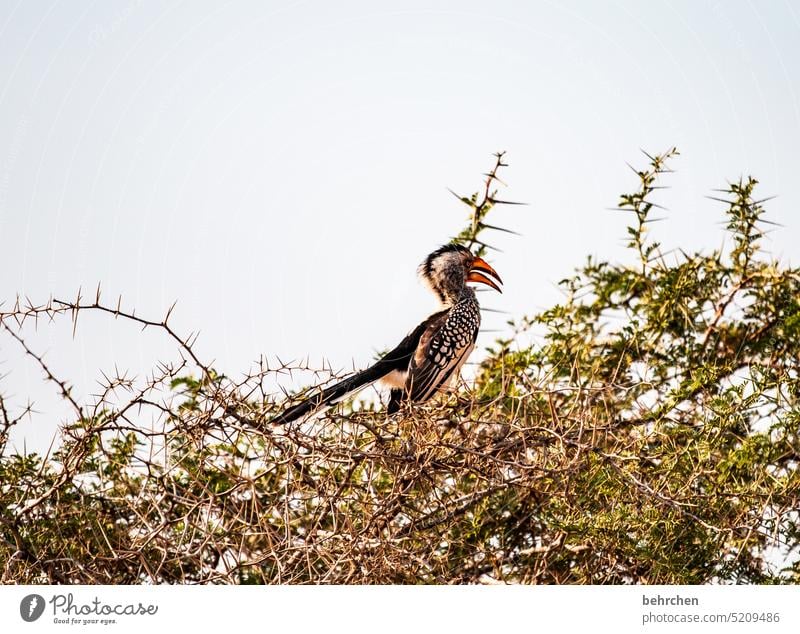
<point x="442" y="351"/>
<point x="397" y="359"/>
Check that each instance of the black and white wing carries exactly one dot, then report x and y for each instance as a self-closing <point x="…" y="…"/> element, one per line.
<point x="397" y="360"/>
<point x="443" y="348"/>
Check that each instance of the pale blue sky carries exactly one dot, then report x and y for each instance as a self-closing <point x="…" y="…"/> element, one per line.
<point x="280" y="168"/>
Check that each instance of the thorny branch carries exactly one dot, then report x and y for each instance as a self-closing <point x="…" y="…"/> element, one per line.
<point x="549" y="469"/>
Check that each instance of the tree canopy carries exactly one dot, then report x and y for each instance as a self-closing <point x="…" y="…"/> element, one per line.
<point x="643" y="430"/>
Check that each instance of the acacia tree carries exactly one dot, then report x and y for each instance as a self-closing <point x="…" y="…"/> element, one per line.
<point x="649" y="436"/>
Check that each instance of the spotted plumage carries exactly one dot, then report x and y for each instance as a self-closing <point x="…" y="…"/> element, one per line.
<point x="442" y="355"/>
<point x="431" y="355"/>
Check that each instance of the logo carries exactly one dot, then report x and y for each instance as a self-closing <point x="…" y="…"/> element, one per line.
<point x="66" y="610"/>
<point x="31" y="607"/>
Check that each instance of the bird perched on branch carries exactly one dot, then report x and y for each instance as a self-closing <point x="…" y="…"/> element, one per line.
<point x="432" y="354"/>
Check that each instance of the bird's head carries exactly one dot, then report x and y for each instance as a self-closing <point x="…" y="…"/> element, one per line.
<point x="448" y="269"/>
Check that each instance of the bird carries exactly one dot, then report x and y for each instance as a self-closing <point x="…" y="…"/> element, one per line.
<point x="427" y="359"/>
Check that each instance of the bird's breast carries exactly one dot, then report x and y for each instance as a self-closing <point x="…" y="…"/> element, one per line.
<point x="395" y="378"/>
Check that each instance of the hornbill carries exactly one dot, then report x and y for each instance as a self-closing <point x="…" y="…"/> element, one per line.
<point x="432" y="354"/>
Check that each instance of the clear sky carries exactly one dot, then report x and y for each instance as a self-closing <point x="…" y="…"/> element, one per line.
<point x="281" y="168"/>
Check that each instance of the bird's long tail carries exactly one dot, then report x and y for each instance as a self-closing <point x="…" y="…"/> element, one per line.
<point x="332" y="395"/>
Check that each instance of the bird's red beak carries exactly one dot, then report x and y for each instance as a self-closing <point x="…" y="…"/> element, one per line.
<point x="476" y="274"/>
